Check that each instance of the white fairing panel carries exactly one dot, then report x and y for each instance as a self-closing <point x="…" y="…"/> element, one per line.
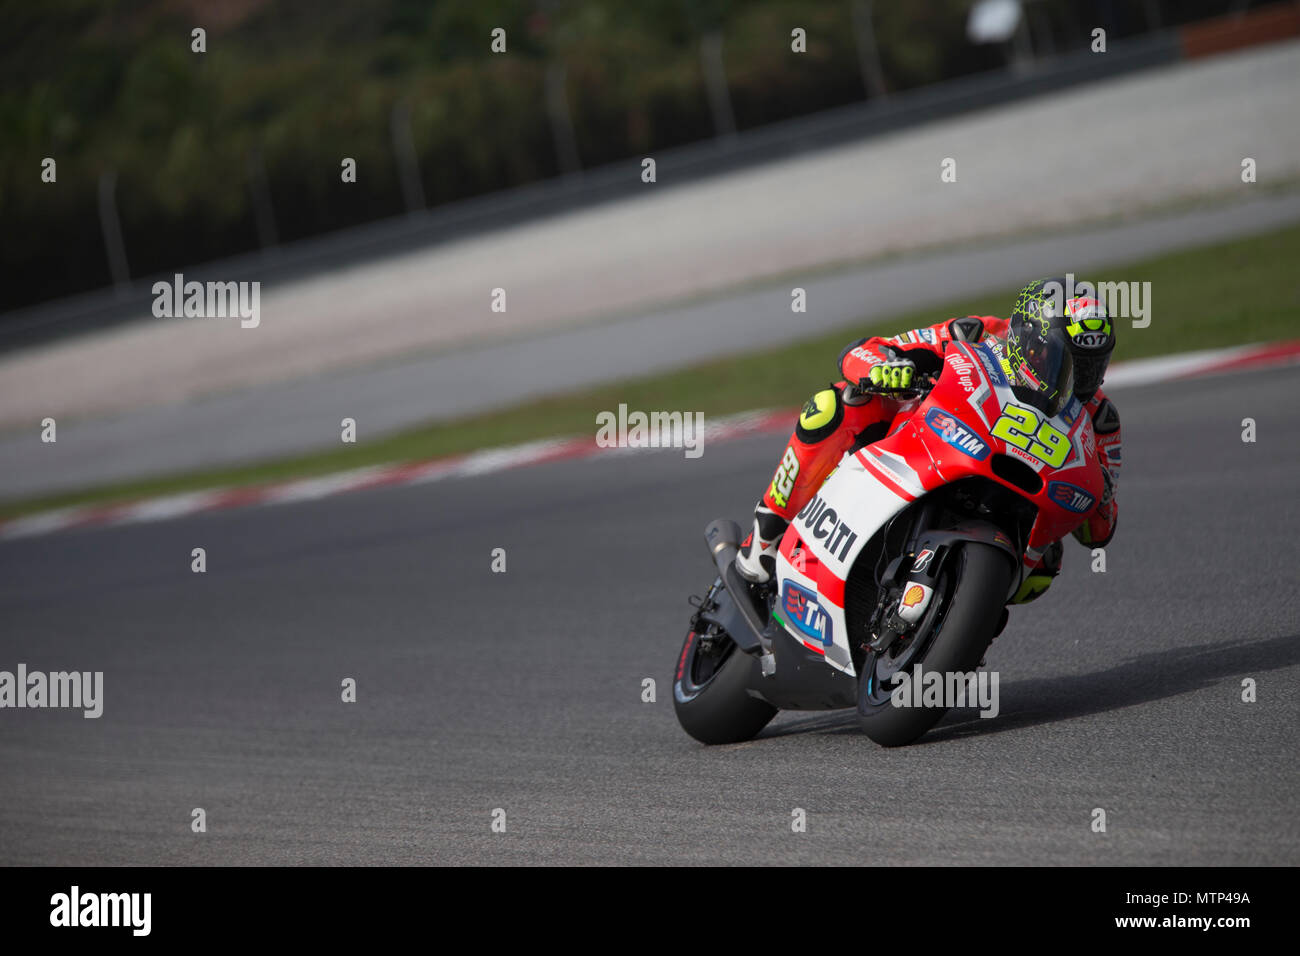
<point x="848" y="509"/>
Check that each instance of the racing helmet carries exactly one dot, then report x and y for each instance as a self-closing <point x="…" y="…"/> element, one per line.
<point x="1085" y="321"/>
<point x="1039" y="355"/>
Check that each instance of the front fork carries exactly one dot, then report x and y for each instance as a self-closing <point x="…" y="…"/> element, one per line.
<point x="909" y="582"/>
<point x="905" y="589"/>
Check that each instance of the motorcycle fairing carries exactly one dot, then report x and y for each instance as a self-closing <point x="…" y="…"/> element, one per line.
<point x="852" y="502"/>
<point x="870" y="486"/>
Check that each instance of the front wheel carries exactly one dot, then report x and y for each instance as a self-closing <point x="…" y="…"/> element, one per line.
<point x="711" y="690"/>
<point x="952" y="639"/>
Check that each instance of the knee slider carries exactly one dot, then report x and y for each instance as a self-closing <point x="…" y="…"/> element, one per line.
<point x="820" y="417"/>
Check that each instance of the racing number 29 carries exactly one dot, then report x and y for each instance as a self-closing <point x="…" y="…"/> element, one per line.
<point x="1021" y="427"/>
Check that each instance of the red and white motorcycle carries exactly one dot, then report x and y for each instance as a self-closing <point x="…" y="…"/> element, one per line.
<point x="905" y="557"/>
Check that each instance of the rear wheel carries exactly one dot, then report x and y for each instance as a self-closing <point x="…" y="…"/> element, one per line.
<point x="957" y="630"/>
<point x="711" y="689"/>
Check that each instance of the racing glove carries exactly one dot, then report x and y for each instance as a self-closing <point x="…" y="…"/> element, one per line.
<point x="894" y="374"/>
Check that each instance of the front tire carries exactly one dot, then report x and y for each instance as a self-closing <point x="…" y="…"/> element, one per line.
<point x="956" y="643"/>
<point x="711" y="691"/>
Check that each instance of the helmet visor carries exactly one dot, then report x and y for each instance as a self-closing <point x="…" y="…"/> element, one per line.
<point x="1042" y="367"/>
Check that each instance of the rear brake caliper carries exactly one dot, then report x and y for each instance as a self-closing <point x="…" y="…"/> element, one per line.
<point x="704" y="630"/>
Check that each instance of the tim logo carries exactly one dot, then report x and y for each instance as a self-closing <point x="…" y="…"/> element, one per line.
<point x="955" y="433"/>
<point x="1069" y="497"/>
<point x="803" y="611"/>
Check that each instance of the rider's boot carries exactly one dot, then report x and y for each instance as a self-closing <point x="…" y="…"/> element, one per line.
<point x="756" y="559"/>
<point x="1040" y="578"/>
<point x="1036" y="582"/>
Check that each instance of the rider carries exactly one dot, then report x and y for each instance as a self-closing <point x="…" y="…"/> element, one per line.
<point x="859" y="409"/>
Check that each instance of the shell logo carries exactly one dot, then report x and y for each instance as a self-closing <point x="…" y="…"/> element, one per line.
<point x="913" y="596"/>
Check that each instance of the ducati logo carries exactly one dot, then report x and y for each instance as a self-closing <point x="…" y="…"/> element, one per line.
<point x="824" y="524"/>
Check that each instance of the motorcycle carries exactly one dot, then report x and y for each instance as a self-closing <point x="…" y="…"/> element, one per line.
<point x="902" y="562"/>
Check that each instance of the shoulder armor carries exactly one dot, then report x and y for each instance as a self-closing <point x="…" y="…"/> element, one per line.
<point x="1106" y="418"/>
<point x="968" y="329"/>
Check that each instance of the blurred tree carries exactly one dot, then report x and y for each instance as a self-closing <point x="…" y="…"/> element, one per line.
<point x="303" y="83"/>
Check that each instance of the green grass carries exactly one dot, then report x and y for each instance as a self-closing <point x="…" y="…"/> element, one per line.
<point x="1222" y="295"/>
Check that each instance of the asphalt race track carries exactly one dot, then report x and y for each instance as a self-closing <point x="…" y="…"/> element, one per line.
<point x="522" y="690"/>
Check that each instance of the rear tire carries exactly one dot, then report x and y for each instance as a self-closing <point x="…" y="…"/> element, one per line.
<point x="711" y="692"/>
<point x="964" y="634"/>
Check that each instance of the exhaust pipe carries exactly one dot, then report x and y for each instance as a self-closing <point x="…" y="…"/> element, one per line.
<point x="723" y="537"/>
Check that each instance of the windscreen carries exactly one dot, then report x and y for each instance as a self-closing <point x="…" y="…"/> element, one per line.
<point x="1042" y="368"/>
